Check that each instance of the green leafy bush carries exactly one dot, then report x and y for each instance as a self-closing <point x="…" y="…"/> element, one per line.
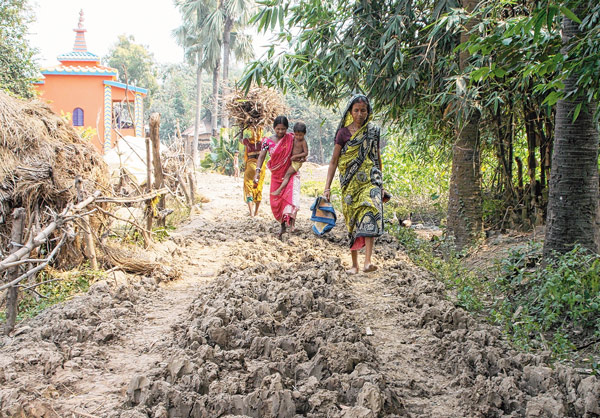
<point x="553" y="306"/>
<point x="416" y="178"/>
<point x="220" y="157"/>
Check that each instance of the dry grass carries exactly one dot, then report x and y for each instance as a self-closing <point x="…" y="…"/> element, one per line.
<point x="40" y="157"/>
<point x="132" y="259"/>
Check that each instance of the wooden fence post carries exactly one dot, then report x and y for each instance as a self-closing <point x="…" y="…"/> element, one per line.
<point x="12" y="295"/>
<point x="192" y="189"/>
<point x="149" y="211"/>
<point x="88" y="241"/>
<point x="159" y="178"/>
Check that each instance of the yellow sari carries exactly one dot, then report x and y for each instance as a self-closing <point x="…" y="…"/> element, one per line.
<point x="361" y="183"/>
<point x="252" y="150"/>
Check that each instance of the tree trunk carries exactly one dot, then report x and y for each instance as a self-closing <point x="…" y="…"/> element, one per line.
<point x="573" y="196"/>
<point x="197" y="120"/>
<point x="465" y="218"/>
<point x="215" y="108"/>
<point x="226" y="52"/>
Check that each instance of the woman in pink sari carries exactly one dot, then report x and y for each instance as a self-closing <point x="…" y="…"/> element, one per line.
<point x="279" y="146"/>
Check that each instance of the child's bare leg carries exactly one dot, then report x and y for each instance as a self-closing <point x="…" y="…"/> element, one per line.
<point x="286" y="179"/>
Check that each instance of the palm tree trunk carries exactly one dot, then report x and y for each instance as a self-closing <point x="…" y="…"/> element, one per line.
<point x="226" y="53"/>
<point x="572" y="216"/>
<point x="197" y="120"/>
<point x="215" y="109"/>
<point x="465" y="218"/>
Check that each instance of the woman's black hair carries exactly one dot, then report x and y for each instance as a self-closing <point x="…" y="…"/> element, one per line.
<point x="361" y="99"/>
<point x="281" y="120"/>
<point x="358" y="98"/>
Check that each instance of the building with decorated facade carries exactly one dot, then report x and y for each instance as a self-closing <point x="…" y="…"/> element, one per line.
<point x="90" y="93"/>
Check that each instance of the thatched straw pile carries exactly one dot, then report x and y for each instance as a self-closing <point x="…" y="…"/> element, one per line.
<point x="256" y="109"/>
<point x="40" y="156"/>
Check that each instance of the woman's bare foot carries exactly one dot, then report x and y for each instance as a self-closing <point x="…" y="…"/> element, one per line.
<point x="352" y="270"/>
<point x="369" y="268"/>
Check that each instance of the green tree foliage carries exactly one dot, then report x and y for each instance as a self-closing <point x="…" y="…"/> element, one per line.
<point x="175" y="98"/>
<point x="135" y="64"/>
<point x="16" y="55"/>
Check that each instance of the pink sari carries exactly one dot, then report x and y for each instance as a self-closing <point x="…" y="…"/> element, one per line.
<point x="285" y="206"/>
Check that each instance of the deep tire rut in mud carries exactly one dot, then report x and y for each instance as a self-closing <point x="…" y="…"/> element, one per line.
<point x="263" y="328"/>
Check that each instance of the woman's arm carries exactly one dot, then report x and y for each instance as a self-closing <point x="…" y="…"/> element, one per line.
<point x="337" y="149"/>
<point x="259" y="164"/>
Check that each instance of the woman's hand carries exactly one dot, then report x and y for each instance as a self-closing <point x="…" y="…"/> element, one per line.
<point x="256" y="177"/>
<point x="327" y="194"/>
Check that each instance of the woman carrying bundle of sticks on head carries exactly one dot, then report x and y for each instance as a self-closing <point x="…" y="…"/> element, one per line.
<point x="252" y="192"/>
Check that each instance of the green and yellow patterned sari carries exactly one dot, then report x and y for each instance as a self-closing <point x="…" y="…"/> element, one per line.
<point x="361" y="183"/>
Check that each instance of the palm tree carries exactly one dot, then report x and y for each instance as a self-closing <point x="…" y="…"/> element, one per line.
<point x="572" y="216"/>
<point x="237" y="15"/>
<point x="189" y="37"/>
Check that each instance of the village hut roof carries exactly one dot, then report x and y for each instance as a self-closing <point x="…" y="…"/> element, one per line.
<point x="204" y="129"/>
<point x="41" y="154"/>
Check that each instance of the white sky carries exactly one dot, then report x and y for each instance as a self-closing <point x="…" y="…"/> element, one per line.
<point x="149" y="21"/>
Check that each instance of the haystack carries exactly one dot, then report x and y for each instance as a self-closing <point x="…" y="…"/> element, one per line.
<point x="256" y="109"/>
<point x="41" y="154"/>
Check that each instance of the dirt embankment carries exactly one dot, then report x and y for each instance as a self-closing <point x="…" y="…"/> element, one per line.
<point x="259" y="327"/>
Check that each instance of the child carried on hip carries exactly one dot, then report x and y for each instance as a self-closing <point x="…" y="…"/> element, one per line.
<point x="299" y="154"/>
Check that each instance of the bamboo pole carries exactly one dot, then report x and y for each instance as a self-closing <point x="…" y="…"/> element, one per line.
<point x="12" y="295"/>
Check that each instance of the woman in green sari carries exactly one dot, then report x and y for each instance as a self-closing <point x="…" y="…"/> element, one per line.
<point x="357" y="156"/>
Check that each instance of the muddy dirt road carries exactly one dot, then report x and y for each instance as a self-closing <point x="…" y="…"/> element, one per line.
<point x="263" y="328"/>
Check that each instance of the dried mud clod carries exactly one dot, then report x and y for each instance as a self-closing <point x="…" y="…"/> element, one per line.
<point x="270" y="340"/>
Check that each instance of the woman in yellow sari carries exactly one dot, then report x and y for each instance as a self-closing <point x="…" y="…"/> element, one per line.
<point x="252" y="193"/>
<point x="356" y="153"/>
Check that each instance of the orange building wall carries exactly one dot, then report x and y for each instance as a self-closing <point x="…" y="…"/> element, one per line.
<point x="71" y="91"/>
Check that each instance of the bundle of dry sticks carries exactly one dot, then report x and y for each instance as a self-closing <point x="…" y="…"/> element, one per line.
<point x="257" y="108"/>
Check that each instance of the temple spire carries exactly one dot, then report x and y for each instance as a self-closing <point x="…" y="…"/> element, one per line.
<point x="80" y="45"/>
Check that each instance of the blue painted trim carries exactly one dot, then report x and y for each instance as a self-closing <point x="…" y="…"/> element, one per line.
<point x="77" y="73"/>
<point x="125" y="86"/>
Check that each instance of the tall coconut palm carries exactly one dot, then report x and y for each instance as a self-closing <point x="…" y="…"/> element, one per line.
<point x="572" y="216"/>
<point x="212" y="36"/>
<point x="189" y="37"/>
<point x="237" y="15"/>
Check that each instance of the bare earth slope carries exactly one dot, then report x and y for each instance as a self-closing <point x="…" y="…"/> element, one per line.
<point x="258" y="327"/>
